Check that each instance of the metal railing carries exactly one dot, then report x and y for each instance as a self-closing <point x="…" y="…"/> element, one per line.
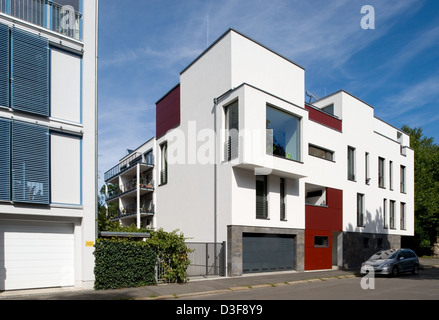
<point x="261" y="209"/>
<point x="131" y="161"/>
<point x="130" y="186"/>
<point x="51" y="15"/>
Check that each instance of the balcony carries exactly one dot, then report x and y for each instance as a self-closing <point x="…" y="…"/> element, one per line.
<point x="128" y="164"/>
<point x="63" y="19"/>
<point x="130" y="188"/>
<point x="129" y="211"/>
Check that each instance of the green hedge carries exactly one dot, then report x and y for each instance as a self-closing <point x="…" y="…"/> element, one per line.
<point x="123" y="263"/>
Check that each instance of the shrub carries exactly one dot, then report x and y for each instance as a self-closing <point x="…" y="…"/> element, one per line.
<point x="123" y="263"/>
<point x="172" y="253"/>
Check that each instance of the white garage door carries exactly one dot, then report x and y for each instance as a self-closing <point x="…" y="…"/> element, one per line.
<point x="36" y="255"/>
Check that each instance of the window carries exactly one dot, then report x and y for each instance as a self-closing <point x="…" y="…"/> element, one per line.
<point x="321" y="242"/>
<point x="402" y="216"/>
<point x="402" y="179"/>
<point x="232" y="131"/>
<point x="329" y="109"/>
<point x="351" y="163"/>
<point x="4" y="65"/>
<point x="391" y="175"/>
<point x="5" y="160"/>
<point x="381" y="172"/>
<point x="164" y="163"/>
<point x="30" y="69"/>
<point x="392" y="214"/>
<point x="385" y="226"/>
<point x="282" y="199"/>
<point x="24" y="58"/>
<point x="366" y="165"/>
<point x="321" y="153"/>
<point x="261" y="197"/>
<point x="360" y="210"/>
<point x="30" y="163"/>
<point x="283" y="134"/>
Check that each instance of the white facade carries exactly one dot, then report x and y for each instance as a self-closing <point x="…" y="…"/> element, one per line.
<point x="50" y="243"/>
<point x="240" y="188"/>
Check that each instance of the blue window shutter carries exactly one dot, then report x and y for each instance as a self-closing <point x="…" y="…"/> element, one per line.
<point x="4" y="65"/>
<point x="5" y="160"/>
<point x="30" y="73"/>
<point x="30" y="163"/>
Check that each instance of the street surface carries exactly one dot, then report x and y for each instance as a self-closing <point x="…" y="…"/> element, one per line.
<point x="424" y="286"/>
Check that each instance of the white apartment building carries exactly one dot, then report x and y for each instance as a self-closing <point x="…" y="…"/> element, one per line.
<point x="241" y="158"/>
<point x="48" y="143"/>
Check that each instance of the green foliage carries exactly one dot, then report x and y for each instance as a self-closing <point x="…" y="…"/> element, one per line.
<point x="123" y="263"/>
<point x="426" y="186"/>
<point x="172" y="252"/>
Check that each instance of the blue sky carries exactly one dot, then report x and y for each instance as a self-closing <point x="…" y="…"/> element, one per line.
<point x="145" y="44"/>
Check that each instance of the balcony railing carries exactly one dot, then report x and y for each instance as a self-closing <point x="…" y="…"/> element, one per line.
<point x="132" y="210"/>
<point x="51" y="15"/>
<point x="128" y="187"/>
<point x="128" y="163"/>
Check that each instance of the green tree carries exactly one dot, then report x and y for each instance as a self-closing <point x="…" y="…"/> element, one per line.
<point x="106" y="213"/>
<point x="426" y="187"/>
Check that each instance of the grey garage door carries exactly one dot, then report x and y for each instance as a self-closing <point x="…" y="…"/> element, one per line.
<point x="267" y="252"/>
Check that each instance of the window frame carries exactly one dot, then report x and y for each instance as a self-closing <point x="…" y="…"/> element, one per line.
<point x="270" y="139"/>
<point x="360" y="210"/>
<point x="351" y="163"/>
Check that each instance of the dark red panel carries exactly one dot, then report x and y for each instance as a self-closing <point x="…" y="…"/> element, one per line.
<point x="317" y="258"/>
<point x="324" y="118"/>
<point x="168" y="112"/>
<point x="322" y="221"/>
<point x="326" y="218"/>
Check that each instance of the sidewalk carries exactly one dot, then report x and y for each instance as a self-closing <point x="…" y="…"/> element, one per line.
<point x="195" y="286"/>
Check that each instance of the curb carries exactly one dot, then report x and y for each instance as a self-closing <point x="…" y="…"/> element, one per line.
<point x="245" y="288"/>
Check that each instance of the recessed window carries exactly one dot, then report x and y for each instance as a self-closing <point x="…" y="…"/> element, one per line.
<point x="282" y="200"/>
<point x="261" y="197"/>
<point x="351" y="163"/>
<point x="283" y="134"/>
<point x="232" y="131"/>
<point x="402" y="179"/>
<point x="164" y="163"/>
<point x="320" y="152"/>
<point x="392" y="214"/>
<point x="360" y="210"/>
<point x="321" y="241"/>
<point x="381" y="172"/>
<point x="402" y="216"/>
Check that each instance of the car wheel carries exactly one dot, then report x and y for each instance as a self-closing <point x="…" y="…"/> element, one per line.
<point x="415" y="269"/>
<point x="395" y="271"/>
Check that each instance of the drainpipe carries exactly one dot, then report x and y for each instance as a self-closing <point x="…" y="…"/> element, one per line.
<point x="215" y="104"/>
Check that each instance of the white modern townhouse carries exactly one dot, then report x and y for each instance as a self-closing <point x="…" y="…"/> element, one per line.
<point x="242" y="159"/>
<point x="48" y="143"/>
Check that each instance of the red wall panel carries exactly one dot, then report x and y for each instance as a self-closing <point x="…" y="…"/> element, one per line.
<point x="322" y="221"/>
<point x="168" y="114"/>
<point x="323" y="118"/>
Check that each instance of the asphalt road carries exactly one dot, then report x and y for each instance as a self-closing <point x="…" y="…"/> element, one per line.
<point x="424" y="286"/>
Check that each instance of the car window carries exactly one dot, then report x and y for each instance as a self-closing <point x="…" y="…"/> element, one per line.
<point x="385" y="254"/>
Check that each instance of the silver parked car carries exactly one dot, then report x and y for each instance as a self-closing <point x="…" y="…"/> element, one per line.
<point x="392" y="262"/>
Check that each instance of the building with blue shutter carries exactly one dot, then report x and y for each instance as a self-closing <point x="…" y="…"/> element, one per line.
<point x="48" y="148"/>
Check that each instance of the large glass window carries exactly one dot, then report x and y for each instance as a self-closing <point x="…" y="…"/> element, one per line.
<point x="283" y="134"/>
